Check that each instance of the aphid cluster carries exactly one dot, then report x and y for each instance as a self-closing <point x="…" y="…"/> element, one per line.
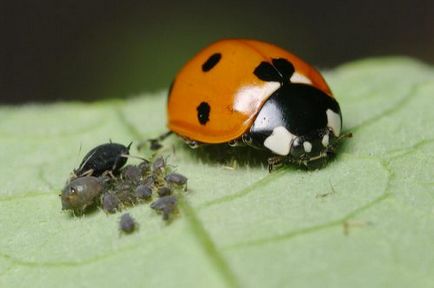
<point x="103" y="180"/>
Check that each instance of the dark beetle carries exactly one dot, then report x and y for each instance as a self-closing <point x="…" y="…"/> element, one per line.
<point x="105" y="157"/>
<point x="80" y="193"/>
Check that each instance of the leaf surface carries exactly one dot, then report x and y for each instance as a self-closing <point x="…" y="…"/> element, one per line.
<point x="365" y="220"/>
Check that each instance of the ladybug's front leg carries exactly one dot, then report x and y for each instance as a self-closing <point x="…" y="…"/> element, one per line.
<point x="275" y="161"/>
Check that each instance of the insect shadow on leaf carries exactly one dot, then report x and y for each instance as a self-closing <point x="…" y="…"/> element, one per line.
<point x="226" y="155"/>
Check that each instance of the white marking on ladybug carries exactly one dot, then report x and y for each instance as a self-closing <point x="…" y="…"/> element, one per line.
<point x="334" y="122"/>
<point x="307" y="146"/>
<point x="279" y="142"/>
<point x="299" y="78"/>
<point x="249" y="98"/>
<point x="325" y="140"/>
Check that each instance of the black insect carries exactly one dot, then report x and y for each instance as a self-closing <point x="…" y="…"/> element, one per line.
<point x="109" y="157"/>
<point x="165" y="205"/>
<point x="81" y="193"/>
<point x="176" y="179"/>
<point x="143" y="192"/>
<point x="127" y="223"/>
<point x="110" y="203"/>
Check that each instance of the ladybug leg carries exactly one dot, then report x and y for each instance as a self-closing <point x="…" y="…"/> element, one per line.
<point x="193" y="144"/>
<point x="274" y="162"/>
<point x="236" y="142"/>
<point x="331" y="148"/>
<point x="247" y="139"/>
<point x="345" y="135"/>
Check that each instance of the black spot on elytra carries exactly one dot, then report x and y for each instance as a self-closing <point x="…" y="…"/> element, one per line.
<point x="285" y="68"/>
<point x="211" y="62"/>
<point x="280" y="70"/>
<point x="266" y="72"/>
<point x="203" y="113"/>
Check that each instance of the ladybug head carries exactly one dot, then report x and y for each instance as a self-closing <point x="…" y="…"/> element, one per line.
<point x="320" y="145"/>
<point x="316" y="145"/>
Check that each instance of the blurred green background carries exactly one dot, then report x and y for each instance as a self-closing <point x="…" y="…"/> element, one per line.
<point x="64" y="50"/>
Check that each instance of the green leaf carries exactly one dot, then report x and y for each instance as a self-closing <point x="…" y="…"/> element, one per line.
<point x="365" y="220"/>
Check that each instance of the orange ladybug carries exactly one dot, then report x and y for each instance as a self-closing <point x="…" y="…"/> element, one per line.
<point x="241" y="91"/>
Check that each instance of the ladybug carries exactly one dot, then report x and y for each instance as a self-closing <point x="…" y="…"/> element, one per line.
<point x="248" y="92"/>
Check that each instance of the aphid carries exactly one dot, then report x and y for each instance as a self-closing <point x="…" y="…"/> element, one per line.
<point x="159" y="171"/>
<point x="143" y="192"/>
<point x="80" y="193"/>
<point x="165" y="205"/>
<point x="149" y="181"/>
<point x="125" y="192"/>
<point x="144" y="167"/>
<point x="110" y="203"/>
<point x="164" y="191"/>
<point x="132" y="173"/>
<point x="127" y="223"/>
<point x="159" y="164"/>
<point x="109" y="157"/>
<point x="176" y="179"/>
